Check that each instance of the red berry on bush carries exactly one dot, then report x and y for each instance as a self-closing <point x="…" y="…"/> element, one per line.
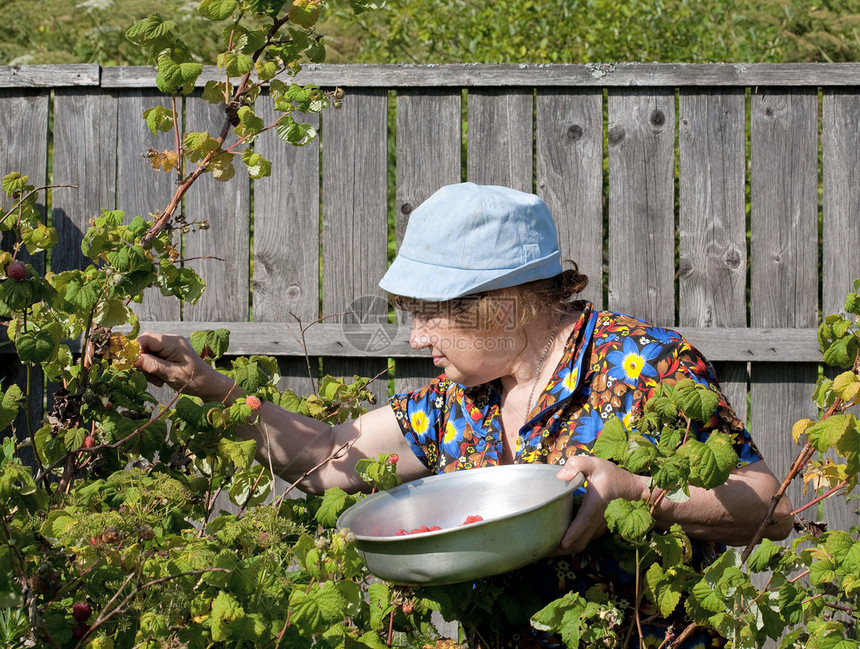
<point x="393" y="458"/>
<point x="16" y="270"/>
<point x="408" y="607"/>
<point x="80" y="630"/>
<point x="253" y="403"/>
<point x="81" y="611"/>
<point x="89" y="441"/>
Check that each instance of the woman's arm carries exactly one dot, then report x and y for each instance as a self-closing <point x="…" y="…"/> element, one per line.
<point x="728" y="514"/>
<point x="293" y="445"/>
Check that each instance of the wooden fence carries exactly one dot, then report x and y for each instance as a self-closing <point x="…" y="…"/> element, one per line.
<point x="728" y="195"/>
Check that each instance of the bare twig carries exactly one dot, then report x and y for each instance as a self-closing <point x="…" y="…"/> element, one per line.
<point x="102" y="618"/>
<point x="28" y="195"/>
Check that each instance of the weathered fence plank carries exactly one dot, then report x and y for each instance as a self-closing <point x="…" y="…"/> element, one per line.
<point x="597" y="75"/>
<point x="428" y="156"/>
<point x="49" y="76"/>
<point x="784" y="257"/>
<point x="499" y="138"/>
<point x="712" y="220"/>
<point x="139" y="190"/>
<point x="24" y="137"/>
<point x="85" y="152"/>
<point x="220" y="255"/>
<point x="641" y="203"/>
<point x="355" y="232"/>
<point x="760" y="346"/>
<point x="286" y="244"/>
<point x="569" y="151"/>
<point x="841" y="234"/>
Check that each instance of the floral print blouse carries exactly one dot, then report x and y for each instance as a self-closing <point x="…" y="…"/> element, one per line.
<point x="611" y="365"/>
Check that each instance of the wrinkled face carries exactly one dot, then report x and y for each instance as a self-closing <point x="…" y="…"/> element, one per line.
<point x="470" y="354"/>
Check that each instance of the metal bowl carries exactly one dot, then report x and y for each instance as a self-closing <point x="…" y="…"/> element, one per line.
<point x="525" y="508"/>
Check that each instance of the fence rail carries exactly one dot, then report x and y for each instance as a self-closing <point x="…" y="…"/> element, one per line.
<point x="719" y="199"/>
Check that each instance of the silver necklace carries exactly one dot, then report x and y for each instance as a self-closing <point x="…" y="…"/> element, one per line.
<point x="540" y="366"/>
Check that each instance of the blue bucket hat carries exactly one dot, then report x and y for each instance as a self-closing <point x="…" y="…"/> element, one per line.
<point x="468" y="238"/>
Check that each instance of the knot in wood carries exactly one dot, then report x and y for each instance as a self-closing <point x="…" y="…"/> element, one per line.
<point x="616" y="135"/>
<point x="658" y="118"/>
<point x="406" y="209"/>
<point x="733" y="259"/>
<point x="575" y="133"/>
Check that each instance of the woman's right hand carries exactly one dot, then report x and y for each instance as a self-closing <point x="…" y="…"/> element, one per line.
<point x="171" y="359"/>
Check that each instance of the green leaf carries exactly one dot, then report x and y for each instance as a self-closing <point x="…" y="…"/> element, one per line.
<point x="243" y="482"/>
<point x="321" y="606"/>
<point x="38" y="239"/>
<point x="57" y="523"/>
<point x="791" y="602"/>
<point x="17" y="295"/>
<point x="36" y="346"/>
<point x="852" y="303"/>
<point x="14" y="183"/>
<point x="235" y="65"/>
<point x="158" y="119"/>
<point x="672" y="472"/>
<point x="847" y="386"/>
<point x="612" y="442"/>
<point x="267" y="7"/>
<point x="335" y="501"/>
<point x="211" y="343"/>
<point x="379" y="600"/>
<point x="112" y="313"/>
<point x="640" y="453"/>
<point x="258" y="166"/>
<point x="149" y="29"/>
<point x="183" y="283"/>
<point x="710" y="462"/>
<point x="827" y="433"/>
<point x="240" y="454"/>
<point x="842" y="353"/>
<point x="305" y="12"/>
<point x="630" y="519"/>
<point x="217" y="10"/>
<point x="215" y="92"/>
<point x="174" y="76"/>
<point x="697" y="401"/>
<point x="49" y="448"/>
<point x="74" y="438"/>
<point x="765" y="556"/>
<point x="9" y="404"/>
<point x="297" y="134"/>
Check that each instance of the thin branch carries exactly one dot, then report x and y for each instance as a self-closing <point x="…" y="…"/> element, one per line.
<point x="28" y="195"/>
<point x="796" y="467"/>
<point x="102" y="618"/>
<point x="818" y="499"/>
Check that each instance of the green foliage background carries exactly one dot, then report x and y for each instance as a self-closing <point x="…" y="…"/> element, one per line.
<point x="480" y="31"/>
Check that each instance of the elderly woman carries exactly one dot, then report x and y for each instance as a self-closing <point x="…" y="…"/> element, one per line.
<point x="528" y="373"/>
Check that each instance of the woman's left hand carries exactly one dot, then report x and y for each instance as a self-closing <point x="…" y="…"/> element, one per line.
<point x="730" y="514"/>
<point x="605" y="481"/>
